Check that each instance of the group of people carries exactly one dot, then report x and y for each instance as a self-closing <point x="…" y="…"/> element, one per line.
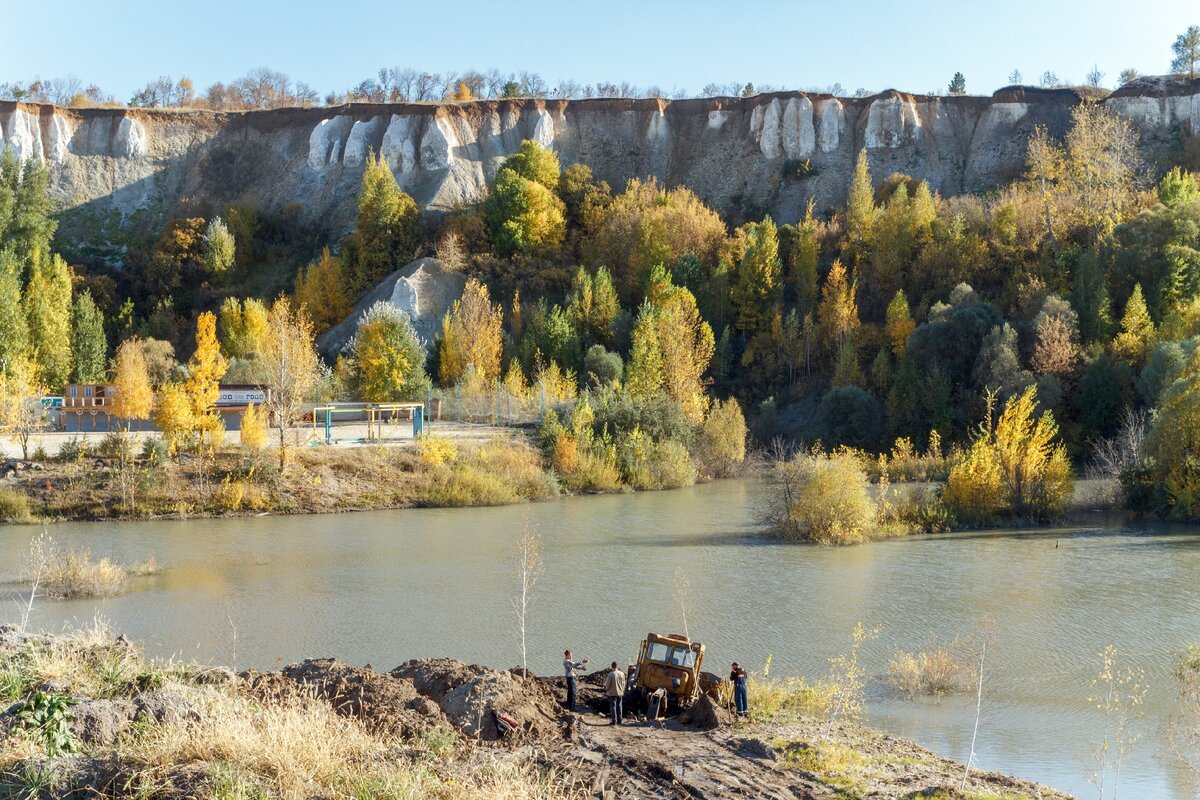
<point x="615" y="684"/>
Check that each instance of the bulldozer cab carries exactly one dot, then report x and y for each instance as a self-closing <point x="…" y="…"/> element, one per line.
<point x="671" y="663"/>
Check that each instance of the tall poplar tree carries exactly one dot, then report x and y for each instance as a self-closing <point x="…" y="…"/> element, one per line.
<point x="47" y="305"/>
<point x="88" y="343"/>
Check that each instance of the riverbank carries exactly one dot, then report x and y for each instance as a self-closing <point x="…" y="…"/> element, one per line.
<point x="122" y="726"/>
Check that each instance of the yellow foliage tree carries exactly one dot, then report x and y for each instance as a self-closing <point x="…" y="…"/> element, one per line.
<point x="205" y="369"/>
<point x="173" y="416"/>
<point x="21" y="412"/>
<point x="134" y="398"/>
<point x="838" y="310"/>
<point x="291" y="366"/>
<point x="253" y="434"/>
<point x="321" y="288"/>
<point x="471" y="336"/>
<point x="1136" y="338"/>
<point x="1014" y="466"/>
<point x="899" y="324"/>
<point x="723" y="438"/>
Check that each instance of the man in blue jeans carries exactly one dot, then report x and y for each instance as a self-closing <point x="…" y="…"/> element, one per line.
<point x="737" y="676"/>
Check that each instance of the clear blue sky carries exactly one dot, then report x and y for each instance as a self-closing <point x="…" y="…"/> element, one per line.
<point x="333" y="44"/>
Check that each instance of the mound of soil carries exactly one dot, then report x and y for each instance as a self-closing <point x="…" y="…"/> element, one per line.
<point x="385" y="703"/>
<point x="468" y="694"/>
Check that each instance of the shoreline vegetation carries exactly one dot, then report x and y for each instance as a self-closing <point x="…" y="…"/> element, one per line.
<point x="86" y="711"/>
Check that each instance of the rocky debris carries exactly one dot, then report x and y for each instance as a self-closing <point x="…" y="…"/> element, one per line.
<point x="424" y="289"/>
<point x="100" y="722"/>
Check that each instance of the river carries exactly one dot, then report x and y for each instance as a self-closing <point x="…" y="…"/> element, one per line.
<point x="383" y="587"/>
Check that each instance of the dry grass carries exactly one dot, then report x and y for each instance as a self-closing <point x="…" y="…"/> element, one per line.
<point x="68" y="574"/>
<point x="937" y="670"/>
<point x="14" y="506"/>
<point x="237" y="747"/>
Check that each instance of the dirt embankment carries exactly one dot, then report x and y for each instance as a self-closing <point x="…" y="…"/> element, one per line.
<point x="183" y="727"/>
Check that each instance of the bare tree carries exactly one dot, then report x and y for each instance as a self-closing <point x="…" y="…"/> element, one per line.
<point x="1095" y="78"/>
<point x="1119" y="452"/>
<point x="530" y="567"/>
<point x="41" y="551"/>
<point x="984" y="634"/>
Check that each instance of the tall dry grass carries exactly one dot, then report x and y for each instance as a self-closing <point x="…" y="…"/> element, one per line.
<point x="937" y="670"/>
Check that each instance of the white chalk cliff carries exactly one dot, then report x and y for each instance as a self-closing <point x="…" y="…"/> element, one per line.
<point x="732" y="151"/>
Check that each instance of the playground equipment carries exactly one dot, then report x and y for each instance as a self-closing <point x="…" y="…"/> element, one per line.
<point x="378" y="415"/>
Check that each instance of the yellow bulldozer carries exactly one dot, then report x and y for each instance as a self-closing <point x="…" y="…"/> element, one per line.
<point x="671" y="664"/>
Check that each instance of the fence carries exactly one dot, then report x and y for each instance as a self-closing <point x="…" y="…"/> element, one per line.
<point x="492" y="406"/>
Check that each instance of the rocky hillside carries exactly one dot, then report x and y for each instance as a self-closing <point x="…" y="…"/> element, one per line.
<point x="742" y="156"/>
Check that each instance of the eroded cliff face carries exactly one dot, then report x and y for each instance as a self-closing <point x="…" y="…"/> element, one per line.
<point x="739" y="155"/>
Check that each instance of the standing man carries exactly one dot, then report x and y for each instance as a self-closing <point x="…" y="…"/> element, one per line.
<point x="737" y="676"/>
<point x="569" y="667"/>
<point x="614" y="687"/>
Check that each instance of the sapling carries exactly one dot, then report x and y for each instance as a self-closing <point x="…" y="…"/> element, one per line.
<point x="530" y="568"/>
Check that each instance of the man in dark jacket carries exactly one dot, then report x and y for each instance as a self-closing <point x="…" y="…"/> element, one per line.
<point x="741" y="700"/>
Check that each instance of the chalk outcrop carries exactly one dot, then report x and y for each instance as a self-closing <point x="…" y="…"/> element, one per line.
<point x="425" y="290"/>
<point x="733" y="152"/>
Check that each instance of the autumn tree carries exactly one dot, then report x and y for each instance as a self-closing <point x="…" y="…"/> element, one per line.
<point x="593" y="305"/>
<point x="898" y="324"/>
<point x="291" y="366"/>
<point x="758" y="291"/>
<point x="388" y="233"/>
<point x="242" y="325"/>
<point x="806" y="255"/>
<point x="219" y="248"/>
<point x="47" y="304"/>
<point x="387" y="357"/>
<point x="860" y="204"/>
<point x="522" y="210"/>
<point x="838" y="311"/>
<point x="644" y="373"/>
<point x="471" y="337"/>
<point x="647" y="225"/>
<point x="1044" y="164"/>
<point x="1014" y="466"/>
<point x="252" y="430"/>
<point x="686" y="344"/>
<point x="722" y="446"/>
<point x="321" y="288"/>
<point x="133" y="399"/>
<point x="1102" y="159"/>
<point x="21" y="411"/>
<point x="205" y="369"/>
<point x="88" y="342"/>
<point x="1056" y="330"/>
<point x="1136" y="336"/>
<point x="173" y="416"/>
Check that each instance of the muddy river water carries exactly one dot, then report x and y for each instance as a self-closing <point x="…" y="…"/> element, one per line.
<point x="383" y="587"/>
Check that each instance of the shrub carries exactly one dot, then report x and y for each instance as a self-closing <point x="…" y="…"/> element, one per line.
<point x="826" y="499"/>
<point x="74" y="449"/>
<point x="435" y="451"/>
<point x="14" y="505"/>
<point x="597" y="472"/>
<point x="938" y="670"/>
<point x="722" y="446"/>
<point x="115" y="446"/>
<point x="671" y="466"/>
<point x="73" y="574"/>
<point x="156" y="450"/>
<point x="658" y="417"/>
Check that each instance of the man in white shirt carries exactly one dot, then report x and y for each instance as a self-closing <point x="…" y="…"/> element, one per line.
<point x="614" y="687"/>
<point x="569" y="667"/>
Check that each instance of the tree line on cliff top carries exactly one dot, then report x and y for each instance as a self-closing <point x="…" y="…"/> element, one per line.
<point x="263" y="88"/>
